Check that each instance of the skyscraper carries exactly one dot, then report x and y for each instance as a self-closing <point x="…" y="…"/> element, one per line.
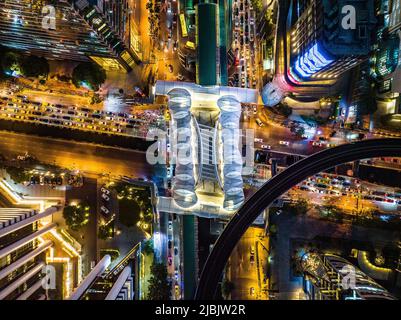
<point x="23" y="252"/>
<point x="324" y="41"/>
<point x="68" y="29"/>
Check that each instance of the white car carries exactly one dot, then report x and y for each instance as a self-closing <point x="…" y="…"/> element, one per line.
<point x="266" y="147"/>
<point x="104" y="209"/>
<point x="105" y="197"/>
<point x="258" y="140"/>
<point x="104" y="190"/>
<point x="170" y="225"/>
<point x="284" y="143"/>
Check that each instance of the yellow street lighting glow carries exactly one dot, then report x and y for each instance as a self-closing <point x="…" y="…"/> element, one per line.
<point x="17" y="199"/>
<point x="65" y="243"/>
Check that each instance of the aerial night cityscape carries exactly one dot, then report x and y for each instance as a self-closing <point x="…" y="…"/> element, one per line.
<point x="202" y="150"/>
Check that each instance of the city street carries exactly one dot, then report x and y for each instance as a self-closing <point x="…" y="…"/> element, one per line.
<point x="136" y="123"/>
<point x="88" y="158"/>
<point x="247" y="266"/>
<point x="245" y="46"/>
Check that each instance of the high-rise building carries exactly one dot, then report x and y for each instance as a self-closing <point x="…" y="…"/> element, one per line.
<point x="23" y="252"/>
<point x="70" y="29"/>
<point x="103" y="284"/>
<point x="323" y="46"/>
<point x="330" y="277"/>
<point x="395" y="15"/>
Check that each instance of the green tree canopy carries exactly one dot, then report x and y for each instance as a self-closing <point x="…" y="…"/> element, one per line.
<point x="76" y="216"/>
<point x="33" y="66"/>
<point x="226" y="288"/>
<point x="129" y="211"/>
<point x="89" y="74"/>
<point x="300" y="207"/>
<point x="11" y="61"/>
<point x="159" y="288"/>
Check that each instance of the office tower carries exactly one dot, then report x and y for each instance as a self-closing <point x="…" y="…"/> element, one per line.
<point x="325" y="43"/>
<point x="23" y="252"/>
<point x="104" y="284"/>
<point x="80" y="31"/>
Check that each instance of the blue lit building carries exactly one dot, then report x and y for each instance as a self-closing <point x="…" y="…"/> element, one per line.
<point x="321" y="49"/>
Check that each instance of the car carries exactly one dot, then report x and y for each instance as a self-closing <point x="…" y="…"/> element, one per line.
<point x="252" y="291"/>
<point x="259" y="122"/>
<point x="252" y="250"/>
<point x="170" y="261"/>
<point x="258" y="140"/>
<point x="284" y="143"/>
<point x="104" y="210"/>
<point x="177" y="290"/>
<point x="170" y="225"/>
<point x="175" y="251"/>
<point x="169" y="9"/>
<point x="264" y="146"/>
<point x="317" y="144"/>
<point x="252" y="259"/>
<point x="169" y="244"/>
<point x="105" y="197"/>
<point x="176" y="274"/>
<point x="104" y="190"/>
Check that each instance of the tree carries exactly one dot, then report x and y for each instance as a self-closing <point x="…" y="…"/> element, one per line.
<point x="226" y="288"/>
<point x="33" y="66"/>
<point x="10" y="62"/>
<point x="129" y="211"/>
<point x="88" y="74"/>
<point x="106" y="231"/>
<point x="76" y="216"/>
<point x="301" y="207"/>
<point x="298" y="131"/>
<point x="159" y="288"/>
<point x="284" y="109"/>
<point x="147" y="247"/>
<point x="18" y="175"/>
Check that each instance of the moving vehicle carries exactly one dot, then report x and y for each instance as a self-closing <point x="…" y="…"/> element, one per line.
<point x="190" y="45"/>
<point x="284" y="143"/>
<point x="104" y="210"/>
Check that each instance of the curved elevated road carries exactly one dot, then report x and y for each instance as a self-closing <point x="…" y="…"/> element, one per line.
<point x="273" y="189"/>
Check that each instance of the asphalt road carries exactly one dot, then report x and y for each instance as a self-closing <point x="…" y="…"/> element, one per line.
<point x="274" y="188"/>
<point x="89" y="158"/>
<point x="243" y="272"/>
